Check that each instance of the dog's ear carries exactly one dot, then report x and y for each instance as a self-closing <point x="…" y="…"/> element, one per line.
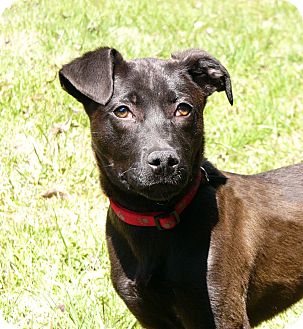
<point x="90" y="77"/>
<point x="206" y="71"/>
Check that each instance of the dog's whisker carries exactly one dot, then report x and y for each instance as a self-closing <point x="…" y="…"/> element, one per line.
<point x="109" y="165"/>
<point x="129" y="169"/>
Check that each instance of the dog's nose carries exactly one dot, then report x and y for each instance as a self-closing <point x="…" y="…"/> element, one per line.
<point x="163" y="160"/>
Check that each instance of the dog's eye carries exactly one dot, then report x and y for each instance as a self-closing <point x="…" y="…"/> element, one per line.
<point x="183" y="110"/>
<point x="123" y="112"/>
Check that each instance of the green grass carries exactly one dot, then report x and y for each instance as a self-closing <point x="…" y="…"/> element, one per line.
<point x="54" y="269"/>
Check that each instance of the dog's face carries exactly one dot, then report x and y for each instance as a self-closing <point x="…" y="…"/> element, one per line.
<point x="146" y="116"/>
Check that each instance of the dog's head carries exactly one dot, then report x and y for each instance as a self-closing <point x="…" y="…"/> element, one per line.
<point x="146" y="116"/>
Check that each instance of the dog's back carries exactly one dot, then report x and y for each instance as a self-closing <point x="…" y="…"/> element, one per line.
<point x="290" y="181"/>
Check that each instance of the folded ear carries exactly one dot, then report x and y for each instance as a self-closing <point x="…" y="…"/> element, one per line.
<point x="206" y="71"/>
<point x="90" y="77"/>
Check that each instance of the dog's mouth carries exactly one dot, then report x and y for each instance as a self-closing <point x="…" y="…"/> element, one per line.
<point x="156" y="187"/>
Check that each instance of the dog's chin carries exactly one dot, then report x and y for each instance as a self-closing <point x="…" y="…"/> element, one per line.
<point x="159" y="190"/>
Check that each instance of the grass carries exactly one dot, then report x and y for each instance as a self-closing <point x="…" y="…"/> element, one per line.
<point x="54" y="268"/>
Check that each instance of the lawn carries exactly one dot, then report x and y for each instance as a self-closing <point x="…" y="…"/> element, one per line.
<point x="54" y="268"/>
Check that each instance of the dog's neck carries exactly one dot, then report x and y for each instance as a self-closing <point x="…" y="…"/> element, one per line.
<point x="163" y="219"/>
<point x="138" y="203"/>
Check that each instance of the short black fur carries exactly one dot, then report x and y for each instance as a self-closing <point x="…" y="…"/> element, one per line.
<point x="236" y="257"/>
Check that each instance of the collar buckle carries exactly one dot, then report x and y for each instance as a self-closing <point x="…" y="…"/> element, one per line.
<point x="168" y="224"/>
<point x="205" y="174"/>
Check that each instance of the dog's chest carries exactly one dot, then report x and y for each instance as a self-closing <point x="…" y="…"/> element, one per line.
<point x="168" y="266"/>
<point x="169" y="281"/>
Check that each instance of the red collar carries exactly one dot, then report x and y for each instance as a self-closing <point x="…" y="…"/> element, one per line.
<point x="161" y="220"/>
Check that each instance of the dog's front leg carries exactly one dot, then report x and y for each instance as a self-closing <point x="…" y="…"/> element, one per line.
<point x="152" y="311"/>
<point x="227" y="281"/>
<point x="228" y="303"/>
<point x="152" y="307"/>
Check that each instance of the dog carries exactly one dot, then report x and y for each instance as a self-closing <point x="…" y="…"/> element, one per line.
<point x="190" y="246"/>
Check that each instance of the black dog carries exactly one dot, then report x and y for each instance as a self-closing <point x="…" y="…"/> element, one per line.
<point x="190" y="246"/>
